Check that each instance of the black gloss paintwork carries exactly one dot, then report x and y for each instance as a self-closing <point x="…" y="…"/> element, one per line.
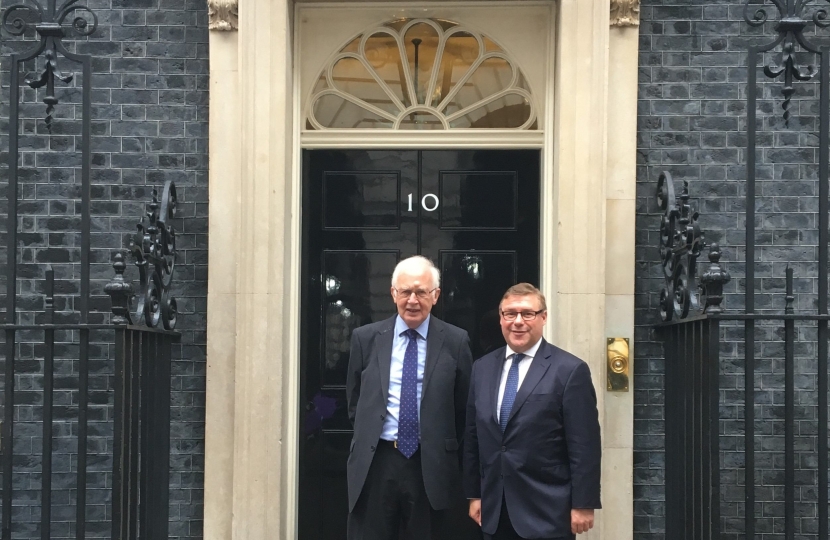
<point x="357" y="224"/>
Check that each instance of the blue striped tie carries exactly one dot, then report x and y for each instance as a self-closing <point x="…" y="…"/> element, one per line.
<point x="510" y="389"/>
<point x="408" y="415"/>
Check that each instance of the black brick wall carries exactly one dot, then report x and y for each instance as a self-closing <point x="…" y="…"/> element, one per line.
<point x="692" y="123"/>
<point x="150" y="96"/>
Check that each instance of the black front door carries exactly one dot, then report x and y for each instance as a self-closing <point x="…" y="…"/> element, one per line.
<point x="475" y="213"/>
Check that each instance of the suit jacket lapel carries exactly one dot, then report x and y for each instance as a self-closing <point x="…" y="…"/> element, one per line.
<point x="435" y="341"/>
<point x="538" y="367"/>
<point x="384" y="355"/>
<point x="495" y="379"/>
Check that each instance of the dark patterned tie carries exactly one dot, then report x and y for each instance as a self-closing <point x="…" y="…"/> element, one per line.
<point x="510" y="389"/>
<point x="408" y="415"/>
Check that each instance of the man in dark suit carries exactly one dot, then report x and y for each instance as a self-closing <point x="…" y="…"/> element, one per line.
<point x="407" y="388"/>
<point x="532" y="449"/>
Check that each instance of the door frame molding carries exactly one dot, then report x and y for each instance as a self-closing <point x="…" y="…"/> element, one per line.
<point x="453" y="139"/>
<point x="589" y="152"/>
<point x="541" y="139"/>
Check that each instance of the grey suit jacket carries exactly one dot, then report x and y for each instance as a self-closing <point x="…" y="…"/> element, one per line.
<point x="443" y="405"/>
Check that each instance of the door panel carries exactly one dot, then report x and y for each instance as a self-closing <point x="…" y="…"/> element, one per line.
<point x="474" y="213"/>
<point x="485" y="236"/>
<point x="361" y="200"/>
<point x="355" y="287"/>
<point x="478" y="200"/>
<point x="472" y="286"/>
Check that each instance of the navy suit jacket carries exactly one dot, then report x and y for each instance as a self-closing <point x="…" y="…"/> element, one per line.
<point x="548" y="459"/>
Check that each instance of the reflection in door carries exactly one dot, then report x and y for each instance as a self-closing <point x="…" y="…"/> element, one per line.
<point x="474" y="213"/>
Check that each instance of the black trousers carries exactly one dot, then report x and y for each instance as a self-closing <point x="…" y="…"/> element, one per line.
<point x="505" y="530"/>
<point x="393" y="504"/>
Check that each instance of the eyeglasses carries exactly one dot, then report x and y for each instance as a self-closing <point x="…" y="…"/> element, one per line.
<point x="420" y="293"/>
<point x="511" y="316"/>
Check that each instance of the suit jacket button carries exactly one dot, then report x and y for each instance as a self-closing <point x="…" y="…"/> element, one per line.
<point x="504" y="449"/>
<point x="383" y="417"/>
<point x="372" y="448"/>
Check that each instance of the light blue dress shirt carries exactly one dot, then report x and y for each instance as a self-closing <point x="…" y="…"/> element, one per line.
<point x="393" y="404"/>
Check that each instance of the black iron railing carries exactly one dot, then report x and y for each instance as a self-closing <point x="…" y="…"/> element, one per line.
<point x="51" y="349"/>
<point x="142" y="330"/>
<point x="141" y="428"/>
<point x="691" y="349"/>
<point x="794" y="18"/>
<point x="719" y="363"/>
<point x="694" y="454"/>
<point x="692" y="448"/>
<point x="141" y="423"/>
<point x="141" y="454"/>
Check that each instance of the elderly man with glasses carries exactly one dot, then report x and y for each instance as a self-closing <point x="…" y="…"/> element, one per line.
<point x="407" y="386"/>
<point x="532" y="446"/>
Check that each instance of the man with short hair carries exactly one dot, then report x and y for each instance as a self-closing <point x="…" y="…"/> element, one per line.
<point x="406" y="387"/>
<point x="532" y="448"/>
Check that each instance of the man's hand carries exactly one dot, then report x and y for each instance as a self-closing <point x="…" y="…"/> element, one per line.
<point x="475" y="511"/>
<point x="582" y="519"/>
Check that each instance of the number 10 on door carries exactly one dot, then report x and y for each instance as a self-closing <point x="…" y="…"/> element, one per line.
<point x="429" y="202"/>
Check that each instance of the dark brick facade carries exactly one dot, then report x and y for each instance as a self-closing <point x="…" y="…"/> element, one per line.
<point x="150" y="115"/>
<point x="692" y="122"/>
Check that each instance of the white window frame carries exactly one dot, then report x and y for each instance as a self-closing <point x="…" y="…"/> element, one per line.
<point x="542" y="94"/>
<point x="437" y="109"/>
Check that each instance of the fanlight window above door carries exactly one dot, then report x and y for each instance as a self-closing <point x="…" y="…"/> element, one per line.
<point x="421" y="74"/>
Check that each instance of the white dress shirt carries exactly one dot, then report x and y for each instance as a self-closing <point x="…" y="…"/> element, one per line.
<point x="524" y="365"/>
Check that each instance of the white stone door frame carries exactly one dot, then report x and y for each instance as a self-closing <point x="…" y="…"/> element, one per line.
<point x="252" y="415"/>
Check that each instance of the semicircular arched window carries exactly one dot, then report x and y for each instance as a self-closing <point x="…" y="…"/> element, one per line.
<point x="421" y="74"/>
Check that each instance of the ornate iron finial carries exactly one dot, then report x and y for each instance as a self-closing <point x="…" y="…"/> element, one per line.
<point x="49" y="24"/>
<point x="120" y="292"/>
<point x="153" y="249"/>
<point x="681" y="242"/>
<point x="49" y="299"/>
<point x="793" y="19"/>
<point x="790" y="298"/>
<point x="713" y="280"/>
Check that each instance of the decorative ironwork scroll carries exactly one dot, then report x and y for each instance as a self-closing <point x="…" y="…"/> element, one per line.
<point x="797" y="19"/>
<point x="681" y="243"/>
<point x="381" y="81"/>
<point x="793" y="17"/>
<point x="153" y="250"/>
<point x="713" y="280"/>
<point x="49" y="24"/>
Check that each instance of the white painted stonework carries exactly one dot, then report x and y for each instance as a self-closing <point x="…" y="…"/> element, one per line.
<point x="223" y="15"/>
